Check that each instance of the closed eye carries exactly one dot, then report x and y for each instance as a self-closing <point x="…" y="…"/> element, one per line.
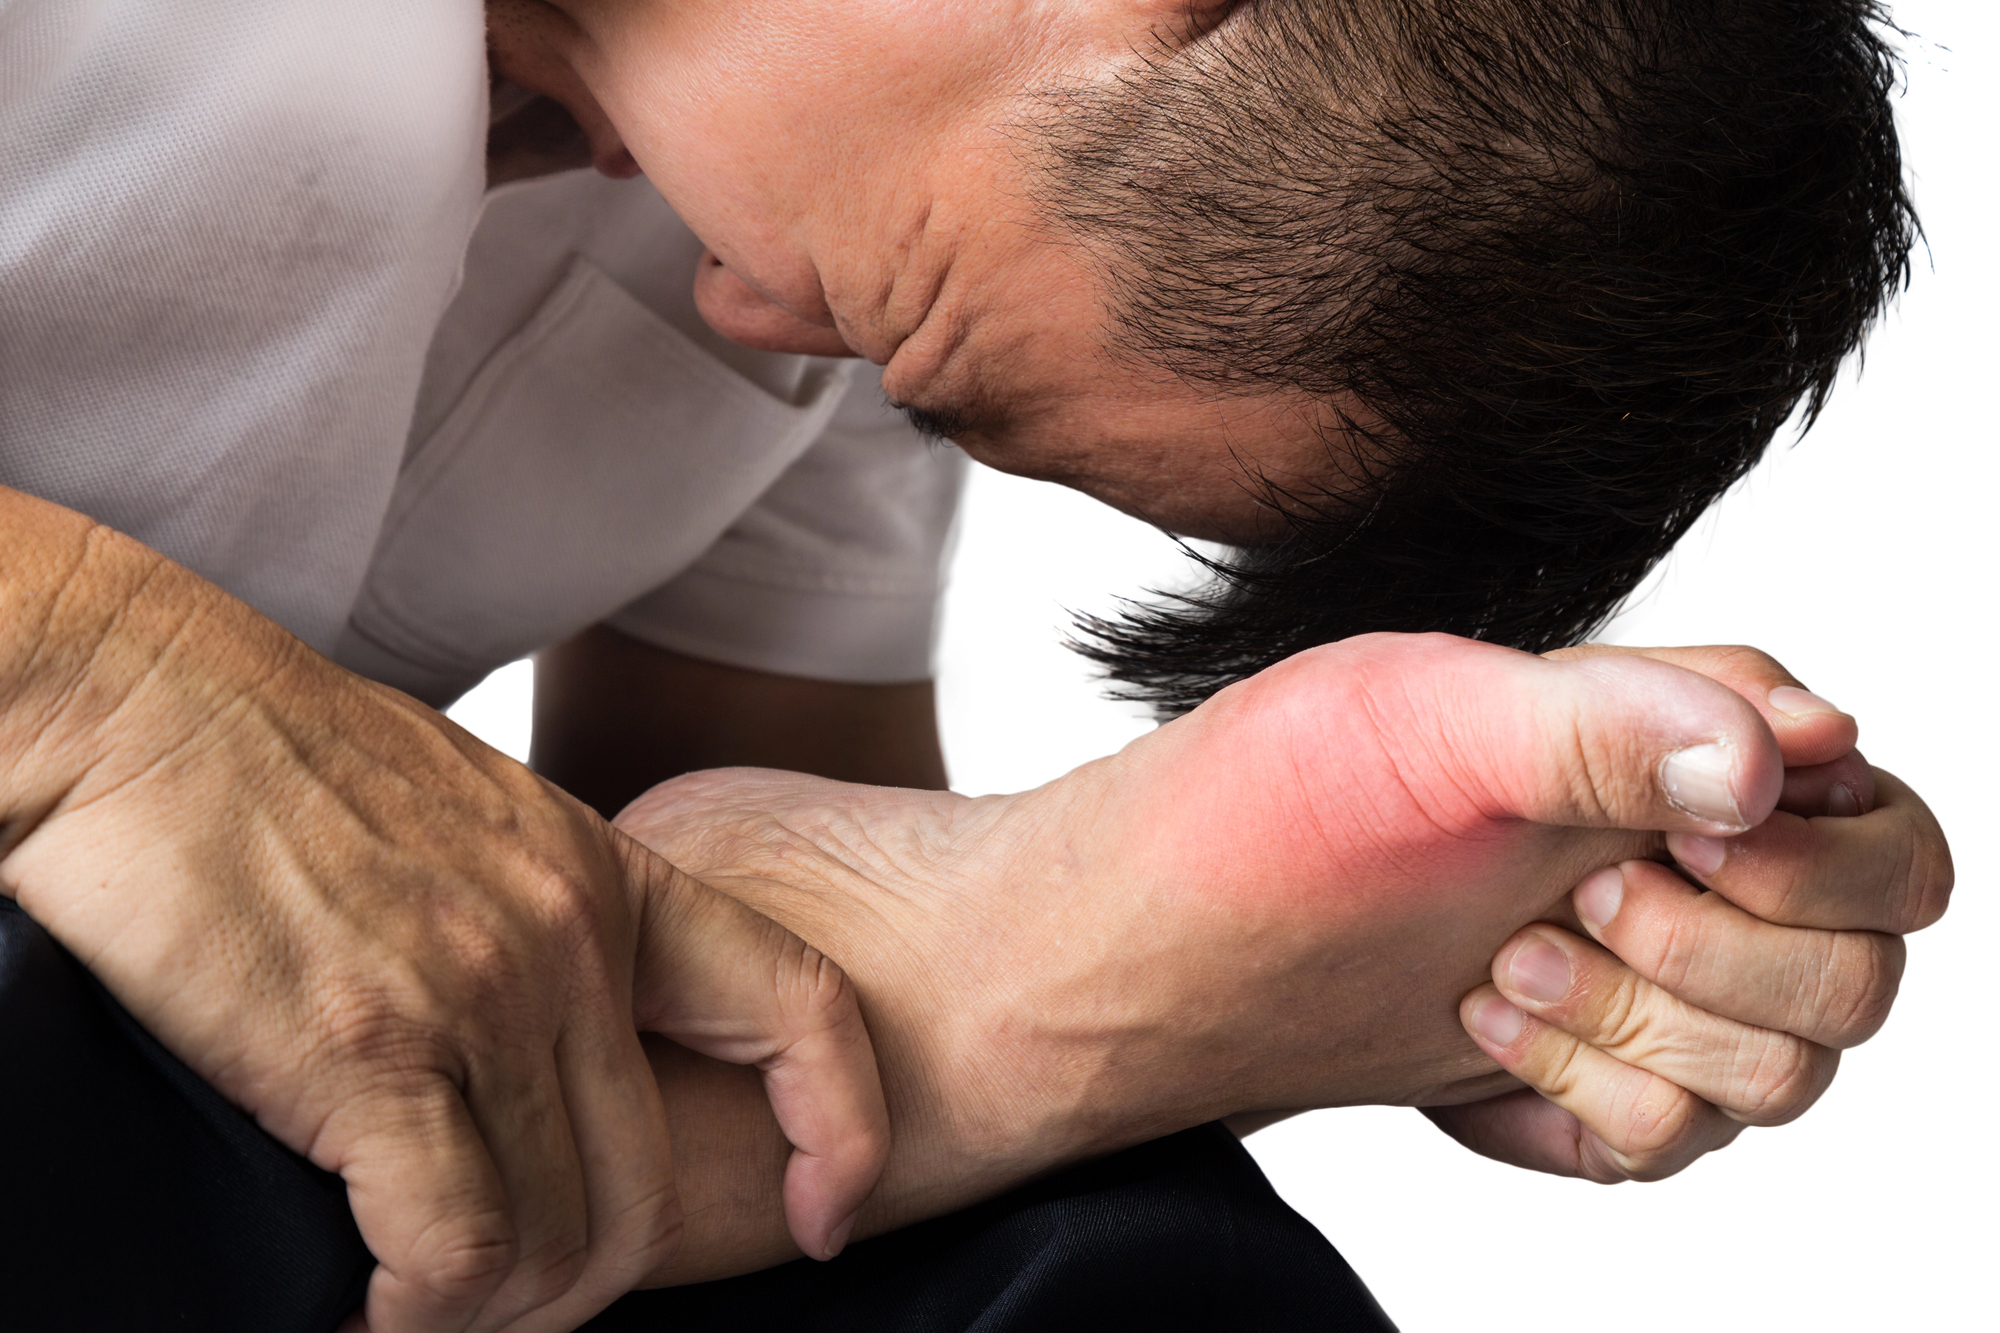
<point x="936" y="423"/>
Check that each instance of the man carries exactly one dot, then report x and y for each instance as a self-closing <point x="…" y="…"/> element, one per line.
<point x="1045" y="382"/>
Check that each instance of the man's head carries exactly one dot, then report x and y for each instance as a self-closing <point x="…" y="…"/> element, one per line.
<point x="865" y="171"/>
<point x="1452" y="313"/>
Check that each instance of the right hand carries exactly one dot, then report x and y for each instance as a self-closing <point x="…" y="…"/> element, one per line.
<point x="1721" y="996"/>
<point x="418" y="964"/>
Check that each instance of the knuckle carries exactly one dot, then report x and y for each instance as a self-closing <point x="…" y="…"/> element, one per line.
<point x="647" y="1231"/>
<point x="1599" y="1164"/>
<point x="465" y="1259"/>
<point x="1739" y="659"/>
<point x="467" y="953"/>
<point x="1622" y="1017"/>
<point x="1555" y="1056"/>
<point x="1786" y="1076"/>
<point x="1682" y="944"/>
<point x="1927" y="871"/>
<point x="375" y="1031"/>
<point x="862" y="1148"/>
<point x="1787" y="893"/>
<point x="564" y="905"/>
<point x="553" y="1268"/>
<point x="503" y="954"/>
<point x="1933" y="881"/>
<point x="813" y="986"/>
<point x="1658" y="1135"/>
<point x="1856" y="987"/>
<point x="1605" y="782"/>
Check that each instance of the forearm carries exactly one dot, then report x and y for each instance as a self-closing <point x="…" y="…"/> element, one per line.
<point x="95" y="629"/>
<point x="404" y="954"/>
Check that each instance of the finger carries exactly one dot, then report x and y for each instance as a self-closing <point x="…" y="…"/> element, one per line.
<point x="625" y="1156"/>
<point x="1525" y="1129"/>
<point x="1616" y="741"/>
<point x="1889" y="869"/>
<point x="1650" y="1127"/>
<point x="1809" y="730"/>
<point x="1522" y="1128"/>
<point x="1753" y="1074"/>
<point x="1842" y="789"/>
<point x="732" y="984"/>
<point x="1830" y="987"/>
<point x="427" y="1199"/>
<point x="516" y="1100"/>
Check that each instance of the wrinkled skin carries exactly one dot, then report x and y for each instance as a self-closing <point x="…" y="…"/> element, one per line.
<point x="411" y="959"/>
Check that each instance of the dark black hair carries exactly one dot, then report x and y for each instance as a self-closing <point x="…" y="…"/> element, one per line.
<point x="1568" y="265"/>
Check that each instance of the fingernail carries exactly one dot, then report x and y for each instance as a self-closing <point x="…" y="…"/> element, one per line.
<point x="1599" y="897"/>
<point x="837" y="1242"/>
<point x="1498" y="1021"/>
<point x="1702" y="855"/>
<point x="1795" y="702"/>
<point x="1842" y="801"/>
<point x="1701" y="781"/>
<point x="1539" y="971"/>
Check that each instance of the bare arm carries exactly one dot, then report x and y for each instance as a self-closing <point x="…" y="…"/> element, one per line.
<point x="408" y="957"/>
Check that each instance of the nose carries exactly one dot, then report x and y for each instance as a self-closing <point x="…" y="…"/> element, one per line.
<point x="742" y="314"/>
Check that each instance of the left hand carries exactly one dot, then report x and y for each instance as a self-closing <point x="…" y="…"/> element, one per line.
<point x="1704" y="1012"/>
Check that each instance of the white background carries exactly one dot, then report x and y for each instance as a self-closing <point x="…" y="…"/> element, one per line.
<point x="1862" y="558"/>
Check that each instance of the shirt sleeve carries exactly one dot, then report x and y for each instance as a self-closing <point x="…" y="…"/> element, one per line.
<point x="835" y="573"/>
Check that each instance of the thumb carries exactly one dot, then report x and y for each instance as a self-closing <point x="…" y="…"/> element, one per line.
<point x="734" y="985"/>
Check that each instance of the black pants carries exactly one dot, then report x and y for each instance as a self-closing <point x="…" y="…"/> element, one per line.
<point x="133" y="1198"/>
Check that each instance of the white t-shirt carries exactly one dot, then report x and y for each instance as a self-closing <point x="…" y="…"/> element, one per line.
<point x="227" y="233"/>
<point x="227" y="230"/>
<point x="587" y="449"/>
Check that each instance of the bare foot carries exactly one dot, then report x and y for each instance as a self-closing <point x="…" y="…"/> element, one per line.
<point x="1273" y="903"/>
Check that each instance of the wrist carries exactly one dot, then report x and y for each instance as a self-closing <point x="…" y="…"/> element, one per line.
<point x="82" y="609"/>
<point x="148" y="659"/>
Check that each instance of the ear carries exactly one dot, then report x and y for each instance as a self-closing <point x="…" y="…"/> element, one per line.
<point x="529" y="43"/>
<point x="742" y="314"/>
